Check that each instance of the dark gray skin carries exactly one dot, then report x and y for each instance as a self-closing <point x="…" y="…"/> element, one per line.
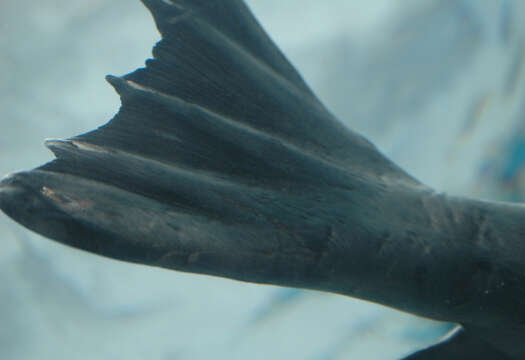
<point x="221" y="161"/>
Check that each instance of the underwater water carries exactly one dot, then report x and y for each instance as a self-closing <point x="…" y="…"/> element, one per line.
<point x="437" y="85"/>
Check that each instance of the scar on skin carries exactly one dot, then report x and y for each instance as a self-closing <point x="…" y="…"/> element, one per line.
<point x="64" y="200"/>
<point x="173" y="3"/>
<point x="88" y="147"/>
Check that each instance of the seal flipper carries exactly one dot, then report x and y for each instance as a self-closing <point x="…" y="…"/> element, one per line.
<point x="459" y="345"/>
<point x="217" y="130"/>
<point x="222" y="161"/>
<point x="214" y="56"/>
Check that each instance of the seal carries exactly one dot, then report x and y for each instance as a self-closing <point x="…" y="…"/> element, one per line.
<point x="222" y="161"/>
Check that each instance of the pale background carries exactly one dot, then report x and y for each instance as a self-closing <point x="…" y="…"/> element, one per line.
<point x="438" y="85"/>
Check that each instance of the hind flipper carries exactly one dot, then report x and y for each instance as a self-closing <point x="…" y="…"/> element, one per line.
<point x="220" y="161"/>
<point x="215" y="57"/>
